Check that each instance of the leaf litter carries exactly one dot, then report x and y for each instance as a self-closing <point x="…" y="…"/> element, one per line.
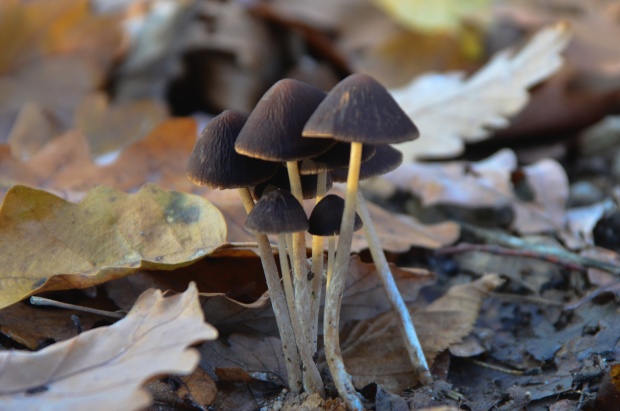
<point x="526" y="345"/>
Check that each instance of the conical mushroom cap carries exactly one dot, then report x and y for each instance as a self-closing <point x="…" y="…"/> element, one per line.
<point x="386" y="159"/>
<point x="278" y="211"/>
<point x="336" y="157"/>
<point x="273" y="130"/>
<point x="215" y="163"/>
<point x="281" y="180"/>
<point x="326" y="217"/>
<point x="360" y="109"/>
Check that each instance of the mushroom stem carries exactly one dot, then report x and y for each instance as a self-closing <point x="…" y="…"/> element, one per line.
<point x="331" y="255"/>
<point x="299" y="260"/>
<point x="412" y="343"/>
<point x="317" y="265"/>
<point x="335" y="287"/>
<point x="311" y="376"/>
<point x="278" y="302"/>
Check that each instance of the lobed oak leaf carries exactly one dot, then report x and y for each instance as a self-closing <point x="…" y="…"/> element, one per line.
<point x="450" y="110"/>
<point x="373" y="350"/>
<point x="104" y="368"/>
<point x="50" y="244"/>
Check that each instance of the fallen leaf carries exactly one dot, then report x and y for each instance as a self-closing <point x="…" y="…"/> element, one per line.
<point x="65" y="165"/>
<point x="32" y="130"/>
<point x="110" y="127"/>
<point x="105" y="367"/>
<point x="432" y="16"/>
<point x="31" y="326"/>
<point x="450" y="110"/>
<point x="197" y="389"/>
<point x="50" y="244"/>
<point x="373" y="349"/>
<point x="489" y="183"/>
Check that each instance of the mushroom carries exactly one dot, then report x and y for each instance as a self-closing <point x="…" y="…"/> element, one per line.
<point x="325" y="221"/>
<point x="279" y="212"/>
<point x="358" y="110"/>
<point x="337" y="157"/>
<point x="309" y="184"/>
<point x="273" y="132"/>
<point x="385" y="160"/>
<point x="214" y="163"/>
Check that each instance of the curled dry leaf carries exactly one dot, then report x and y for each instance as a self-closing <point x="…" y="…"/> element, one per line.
<point x="488" y="183"/>
<point x="373" y="349"/>
<point x="105" y="367"/>
<point x="51" y="244"/>
<point x="450" y="110"/>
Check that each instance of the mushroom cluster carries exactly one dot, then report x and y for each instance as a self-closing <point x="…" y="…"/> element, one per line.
<point x="296" y="142"/>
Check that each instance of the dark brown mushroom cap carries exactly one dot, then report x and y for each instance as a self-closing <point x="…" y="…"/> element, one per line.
<point x="336" y="157"/>
<point x="281" y="180"/>
<point x="214" y="161"/>
<point x="359" y="109"/>
<point x="326" y="217"/>
<point x="278" y="211"/>
<point x="273" y="130"/>
<point x="386" y="159"/>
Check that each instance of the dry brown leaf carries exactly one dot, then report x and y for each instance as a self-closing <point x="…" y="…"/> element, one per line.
<point x="197" y="388"/>
<point x="364" y="296"/>
<point x="51" y="244"/>
<point x="110" y="127"/>
<point x="32" y="326"/>
<point x="33" y="129"/>
<point x="450" y="110"/>
<point x="65" y="165"/>
<point x="106" y="367"/>
<point x="488" y="183"/>
<point x="373" y="349"/>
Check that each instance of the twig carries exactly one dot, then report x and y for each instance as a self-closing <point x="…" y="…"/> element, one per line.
<point x="550" y="253"/>
<point x="34" y="300"/>
<point x="497" y="367"/>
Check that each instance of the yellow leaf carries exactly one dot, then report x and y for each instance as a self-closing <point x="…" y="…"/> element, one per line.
<point x="104" y="368"/>
<point x="432" y="15"/>
<point x="47" y="243"/>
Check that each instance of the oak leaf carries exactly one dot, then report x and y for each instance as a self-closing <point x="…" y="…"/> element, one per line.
<point x="103" y="369"/>
<point x="373" y="350"/>
<point x="450" y="110"/>
<point x="50" y="244"/>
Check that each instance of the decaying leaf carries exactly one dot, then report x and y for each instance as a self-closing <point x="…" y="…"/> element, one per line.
<point x="373" y="349"/>
<point x="49" y="244"/>
<point x="104" y="368"/>
<point x="450" y="110"/>
<point x="489" y="183"/>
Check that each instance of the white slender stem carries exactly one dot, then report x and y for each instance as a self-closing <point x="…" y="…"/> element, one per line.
<point x="412" y="343"/>
<point x="335" y="287"/>
<point x="299" y="260"/>
<point x="318" y="253"/>
<point x="311" y="376"/>
<point x="292" y="360"/>
<point x="289" y="292"/>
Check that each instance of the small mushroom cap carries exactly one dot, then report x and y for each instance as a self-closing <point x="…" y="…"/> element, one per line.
<point x="215" y="163"/>
<point x="273" y="130"/>
<point x="386" y="159"/>
<point x="281" y="180"/>
<point x="326" y="217"/>
<point x="336" y="157"/>
<point x="278" y="211"/>
<point x="360" y="109"/>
